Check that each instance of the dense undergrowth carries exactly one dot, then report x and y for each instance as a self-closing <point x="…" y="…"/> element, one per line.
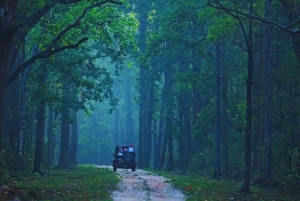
<point x="86" y="182"/>
<point x="208" y="189"/>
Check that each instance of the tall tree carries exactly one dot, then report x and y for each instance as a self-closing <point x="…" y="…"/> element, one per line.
<point x="144" y="122"/>
<point x="169" y="97"/>
<point x="40" y="136"/>
<point x="50" y="138"/>
<point x="248" y="37"/>
<point x="217" y="160"/>
<point x="74" y="140"/>
<point x="15" y="23"/>
<point x="64" y="158"/>
<point x="268" y="59"/>
<point x="224" y="87"/>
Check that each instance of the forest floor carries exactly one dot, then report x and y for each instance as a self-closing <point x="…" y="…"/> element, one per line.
<point x="197" y="187"/>
<point x="84" y="183"/>
<point x="95" y="183"/>
<point x="143" y="185"/>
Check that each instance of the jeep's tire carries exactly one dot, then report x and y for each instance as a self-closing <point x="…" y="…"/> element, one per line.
<point x="128" y="158"/>
<point x="115" y="168"/>
<point x="133" y="169"/>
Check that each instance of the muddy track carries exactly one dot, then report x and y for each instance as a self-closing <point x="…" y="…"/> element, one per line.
<point x="144" y="186"/>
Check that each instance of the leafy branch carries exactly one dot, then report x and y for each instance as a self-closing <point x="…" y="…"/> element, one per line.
<point x="256" y="17"/>
<point x="50" y="50"/>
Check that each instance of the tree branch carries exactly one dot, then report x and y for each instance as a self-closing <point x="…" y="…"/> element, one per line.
<point x="77" y="22"/>
<point x="50" y="49"/>
<point x="43" y="55"/>
<point x="257" y="17"/>
<point x="192" y="44"/>
<point x="240" y="45"/>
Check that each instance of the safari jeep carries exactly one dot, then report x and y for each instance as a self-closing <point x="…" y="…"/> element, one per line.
<point x="123" y="158"/>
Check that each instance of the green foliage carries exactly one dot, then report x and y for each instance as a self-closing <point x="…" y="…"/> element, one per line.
<point x="205" y="123"/>
<point x="111" y="32"/>
<point x="188" y="81"/>
<point x="86" y="182"/>
<point x="200" y="188"/>
<point x="195" y="165"/>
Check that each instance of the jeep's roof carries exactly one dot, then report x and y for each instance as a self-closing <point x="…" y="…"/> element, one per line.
<point x="122" y="145"/>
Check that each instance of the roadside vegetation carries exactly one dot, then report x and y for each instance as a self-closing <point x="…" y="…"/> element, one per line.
<point x="203" y="188"/>
<point x="86" y="182"/>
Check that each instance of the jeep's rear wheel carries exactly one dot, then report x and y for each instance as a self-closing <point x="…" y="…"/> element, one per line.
<point x="133" y="169"/>
<point x="115" y="168"/>
<point x="128" y="158"/>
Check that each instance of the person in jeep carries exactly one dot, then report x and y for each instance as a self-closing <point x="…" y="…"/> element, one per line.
<point x="131" y="149"/>
<point x="124" y="157"/>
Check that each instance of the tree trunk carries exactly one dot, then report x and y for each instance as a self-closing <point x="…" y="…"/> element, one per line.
<point x="144" y="129"/>
<point x="160" y="138"/>
<point x="258" y="106"/>
<point x="8" y="53"/>
<point x="197" y="104"/>
<point x="184" y="140"/>
<point x="7" y="20"/>
<point x="129" y="124"/>
<point x="39" y="143"/>
<point x="50" y="137"/>
<point x="268" y="134"/>
<point x="143" y="96"/>
<point x="217" y="158"/>
<point x="168" y="90"/>
<point x="188" y="129"/>
<point x="181" y="131"/>
<point x="162" y="135"/>
<point x="148" y="133"/>
<point x="224" y="86"/>
<point x="155" y="144"/>
<point x="74" y="141"/>
<point x="246" y="184"/>
<point x="116" y="125"/>
<point x="15" y="115"/>
<point x="65" y="129"/>
<point x="292" y="11"/>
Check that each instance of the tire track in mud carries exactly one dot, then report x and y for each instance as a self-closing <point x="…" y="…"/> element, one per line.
<point x="144" y="186"/>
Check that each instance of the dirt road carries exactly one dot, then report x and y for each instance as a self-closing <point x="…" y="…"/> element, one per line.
<point x="144" y="186"/>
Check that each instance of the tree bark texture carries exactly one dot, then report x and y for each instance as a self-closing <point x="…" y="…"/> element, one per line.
<point x="116" y="126"/>
<point x="217" y="155"/>
<point x="224" y="86"/>
<point x="168" y="90"/>
<point x="144" y="129"/>
<point x="8" y="13"/>
<point x="185" y="136"/>
<point x="39" y="138"/>
<point x="268" y="132"/>
<point x="14" y="113"/>
<point x="258" y="107"/>
<point x="74" y="141"/>
<point x="148" y="134"/>
<point x="155" y="144"/>
<point x="7" y="21"/>
<point x="197" y="104"/>
<point x="64" y="159"/>
<point x="246" y="183"/>
<point x="129" y="123"/>
<point x="292" y="9"/>
<point x="181" y="133"/>
<point x="50" y="137"/>
<point x="161" y="139"/>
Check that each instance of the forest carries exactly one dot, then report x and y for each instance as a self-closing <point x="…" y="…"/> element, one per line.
<point x="208" y="87"/>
